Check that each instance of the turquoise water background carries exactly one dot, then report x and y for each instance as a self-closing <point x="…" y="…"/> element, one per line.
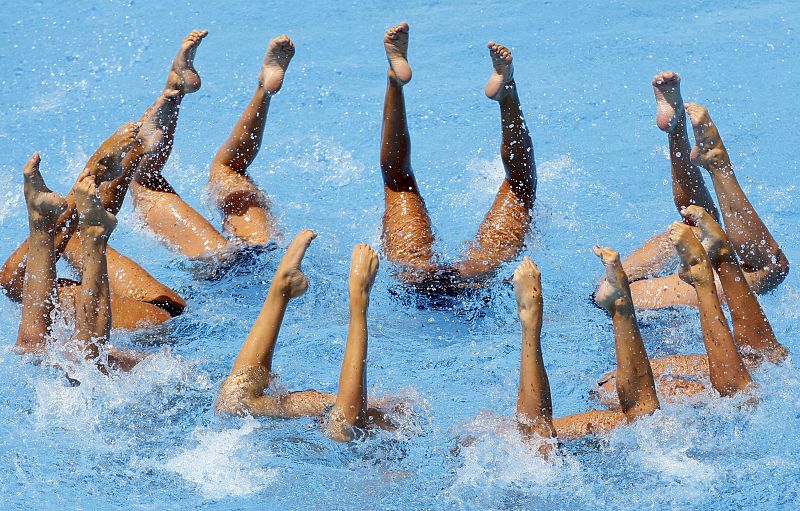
<point x="73" y="71"/>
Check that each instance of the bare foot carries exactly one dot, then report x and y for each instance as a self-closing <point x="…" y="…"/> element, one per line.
<point x="615" y="292"/>
<point x="498" y="84"/>
<point x="708" y="148"/>
<point x="528" y="290"/>
<point x="183" y="77"/>
<point x="363" y="268"/>
<point x="279" y="53"/>
<point x="695" y="266"/>
<point x="44" y="205"/>
<point x="712" y="237"/>
<point x="289" y="277"/>
<point x="395" y="41"/>
<point x="107" y="159"/>
<point x="95" y="221"/>
<point x="667" y="87"/>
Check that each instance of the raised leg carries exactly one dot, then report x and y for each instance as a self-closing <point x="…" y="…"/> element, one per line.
<point x="160" y="207"/>
<point x="534" y="403"/>
<point x="244" y="205"/>
<point x="751" y="329"/>
<point x="759" y="253"/>
<point x="502" y="233"/>
<point x="350" y="408"/>
<point x="726" y="369"/>
<point x="407" y="236"/>
<point x="115" y="159"/>
<point x="635" y="386"/>
<point x="688" y="186"/>
<point x="242" y="391"/>
<point x="39" y="288"/>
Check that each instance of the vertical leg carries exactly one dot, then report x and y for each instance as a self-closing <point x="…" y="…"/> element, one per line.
<point x="751" y="329"/>
<point x="350" y="407"/>
<point x="635" y="386"/>
<point x="93" y="308"/>
<point x="688" y="186"/>
<point x="39" y="288"/>
<point x="752" y="241"/>
<point x="407" y="235"/>
<point x="534" y="404"/>
<point x="502" y="233"/>
<point x="726" y="369"/>
<point x="245" y="206"/>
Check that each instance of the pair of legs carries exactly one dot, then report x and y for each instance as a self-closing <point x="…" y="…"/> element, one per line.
<point x="407" y="234"/>
<point x="93" y="316"/>
<point x="245" y="207"/>
<point x="243" y="390"/>
<point x="635" y="389"/>
<point x="138" y="298"/>
<point x="752" y="332"/>
<point x="634" y="380"/>
<point x="764" y="264"/>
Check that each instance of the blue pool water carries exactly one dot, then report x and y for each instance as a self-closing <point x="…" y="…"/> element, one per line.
<point x="72" y="71"/>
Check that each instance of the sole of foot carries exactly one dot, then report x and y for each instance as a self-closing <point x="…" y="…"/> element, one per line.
<point x="395" y="42"/>
<point x="279" y="53"/>
<point x="498" y="83"/>
<point x="667" y="89"/>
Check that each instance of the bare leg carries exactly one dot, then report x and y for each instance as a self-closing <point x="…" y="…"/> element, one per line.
<point x="751" y="329"/>
<point x="93" y="310"/>
<point x="534" y="404"/>
<point x="688" y="186"/>
<point x="726" y="369"/>
<point x="407" y="235"/>
<point x="242" y="391"/>
<point x="245" y="206"/>
<point x="110" y="159"/>
<point x="115" y="159"/>
<point x="169" y="216"/>
<point x="39" y="288"/>
<point x="502" y="233"/>
<point x="350" y="408"/>
<point x="635" y="386"/>
<point x="760" y="254"/>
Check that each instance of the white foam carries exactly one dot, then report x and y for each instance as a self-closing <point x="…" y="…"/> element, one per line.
<point x="220" y="464"/>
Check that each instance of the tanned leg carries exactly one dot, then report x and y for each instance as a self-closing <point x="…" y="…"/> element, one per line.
<point x="726" y="369"/>
<point x="39" y="288"/>
<point x="244" y="205"/>
<point x="688" y="186"/>
<point x="407" y="235"/>
<point x="751" y="329"/>
<point x="115" y="161"/>
<point x="93" y="315"/>
<point x="657" y="256"/>
<point x="169" y="216"/>
<point x="109" y="159"/>
<point x="259" y="347"/>
<point x="534" y="403"/>
<point x="502" y="233"/>
<point x="350" y="408"/>
<point x="759" y="253"/>
<point x="93" y="310"/>
<point x="635" y="386"/>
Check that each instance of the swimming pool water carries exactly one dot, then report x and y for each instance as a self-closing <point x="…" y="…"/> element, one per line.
<point x="73" y="71"/>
